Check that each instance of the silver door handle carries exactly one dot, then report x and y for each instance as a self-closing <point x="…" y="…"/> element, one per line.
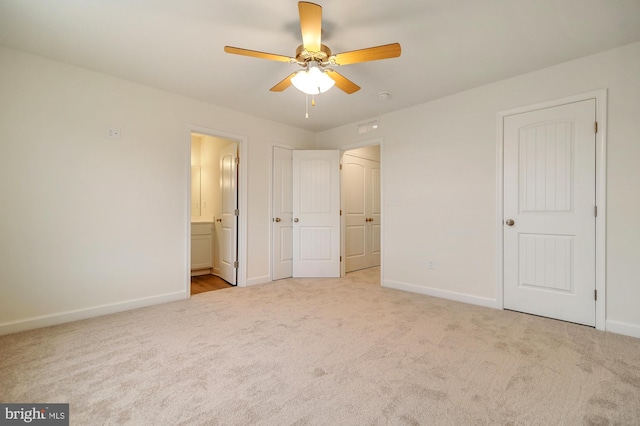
<point x="510" y="222"/>
<point x="295" y="219"/>
<point x="277" y="219"/>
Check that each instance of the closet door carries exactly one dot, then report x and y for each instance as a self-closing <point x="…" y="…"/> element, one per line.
<point x="316" y="213"/>
<point x="282" y="217"/>
<point x="361" y="178"/>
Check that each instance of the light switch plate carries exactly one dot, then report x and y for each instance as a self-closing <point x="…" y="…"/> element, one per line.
<point x="113" y="133"/>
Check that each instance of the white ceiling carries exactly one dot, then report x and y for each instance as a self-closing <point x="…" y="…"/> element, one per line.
<point x="447" y="46"/>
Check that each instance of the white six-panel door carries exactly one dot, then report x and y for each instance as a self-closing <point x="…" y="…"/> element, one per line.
<point x="227" y="223"/>
<point x="282" y="218"/>
<point x="549" y="221"/>
<point x="316" y="213"/>
<point x="361" y="184"/>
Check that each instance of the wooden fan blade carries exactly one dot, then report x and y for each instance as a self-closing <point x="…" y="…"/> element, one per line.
<point x="310" y="25"/>
<point x="256" y="54"/>
<point x="370" y="54"/>
<point x="342" y="82"/>
<point x="283" y="84"/>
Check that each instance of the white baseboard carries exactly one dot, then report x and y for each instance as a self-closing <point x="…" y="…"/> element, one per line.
<point x="625" y="328"/>
<point x="443" y="294"/>
<point x="258" y="280"/>
<point x="79" y="314"/>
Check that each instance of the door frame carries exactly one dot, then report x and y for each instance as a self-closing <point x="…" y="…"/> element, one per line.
<point x="343" y="150"/>
<point x="242" y="201"/>
<point x="343" y="248"/>
<point x="600" y="97"/>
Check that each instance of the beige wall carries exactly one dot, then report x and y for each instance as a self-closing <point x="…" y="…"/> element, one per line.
<point x="439" y="165"/>
<point x="92" y="225"/>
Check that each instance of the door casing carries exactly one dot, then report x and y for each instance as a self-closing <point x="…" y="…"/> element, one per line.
<point x="600" y="97"/>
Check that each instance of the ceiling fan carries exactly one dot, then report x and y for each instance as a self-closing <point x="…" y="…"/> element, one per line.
<point x="314" y="57"/>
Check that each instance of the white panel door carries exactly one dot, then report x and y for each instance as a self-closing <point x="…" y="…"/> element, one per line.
<point x="227" y="222"/>
<point x="316" y="213"/>
<point x="282" y="218"/>
<point x="361" y="178"/>
<point x="549" y="200"/>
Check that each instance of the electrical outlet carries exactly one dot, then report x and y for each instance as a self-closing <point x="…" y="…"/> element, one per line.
<point x="113" y="133"/>
<point x="431" y="264"/>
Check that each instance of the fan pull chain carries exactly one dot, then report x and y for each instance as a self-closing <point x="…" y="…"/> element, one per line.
<point x="306" y="104"/>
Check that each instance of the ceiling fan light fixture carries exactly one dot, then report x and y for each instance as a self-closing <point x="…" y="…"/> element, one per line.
<point x="313" y="80"/>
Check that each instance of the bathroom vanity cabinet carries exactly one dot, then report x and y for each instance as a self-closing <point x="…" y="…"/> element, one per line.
<point x="201" y="247"/>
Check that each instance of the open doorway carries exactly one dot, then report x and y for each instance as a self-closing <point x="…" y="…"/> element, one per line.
<point x="363" y="242"/>
<point x="215" y="212"/>
<point x="361" y="206"/>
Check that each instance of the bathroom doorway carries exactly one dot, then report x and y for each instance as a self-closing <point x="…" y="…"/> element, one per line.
<point x="215" y="210"/>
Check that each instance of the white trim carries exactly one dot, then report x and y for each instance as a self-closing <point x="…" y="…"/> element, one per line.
<point x="625" y="328"/>
<point x="600" y="97"/>
<point x="242" y="201"/>
<point x="442" y="294"/>
<point x="368" y="142"/>
<point x="85" y="313"/>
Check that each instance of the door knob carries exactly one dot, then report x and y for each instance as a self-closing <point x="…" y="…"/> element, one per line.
<point x="510" y="222"/>
<point x="295" y="220"/>
<point x="218" y="220"/>
<point x="277" y="219"/>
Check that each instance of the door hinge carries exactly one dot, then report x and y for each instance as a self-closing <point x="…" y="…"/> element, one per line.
<point x="595" y="294"/>
<point x="340" y="258"/>
<point x="595" y="127"/>
<point x="237" y="160"/>
<point x="340" y="212"/>
<point x="340" y="166"/>
<point x="236" y="264"/>
<point x="236" y="212"/>
<point x="595" y="211"/>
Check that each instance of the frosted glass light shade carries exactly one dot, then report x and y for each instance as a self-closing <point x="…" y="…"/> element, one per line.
<point x="312" y="81"/>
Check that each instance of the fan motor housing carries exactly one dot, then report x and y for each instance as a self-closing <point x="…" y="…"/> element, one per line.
<point x="303" y="55"/>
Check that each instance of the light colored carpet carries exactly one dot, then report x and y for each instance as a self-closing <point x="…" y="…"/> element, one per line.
<point x="324" y="352"/>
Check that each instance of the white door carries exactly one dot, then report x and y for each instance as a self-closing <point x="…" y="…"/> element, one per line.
<point x="549" y="221"/>
<point x="361" y="183"/>
<point x="316" y="213"/>
<point x="227" y="222"/>
<point x="282" y="218"/>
